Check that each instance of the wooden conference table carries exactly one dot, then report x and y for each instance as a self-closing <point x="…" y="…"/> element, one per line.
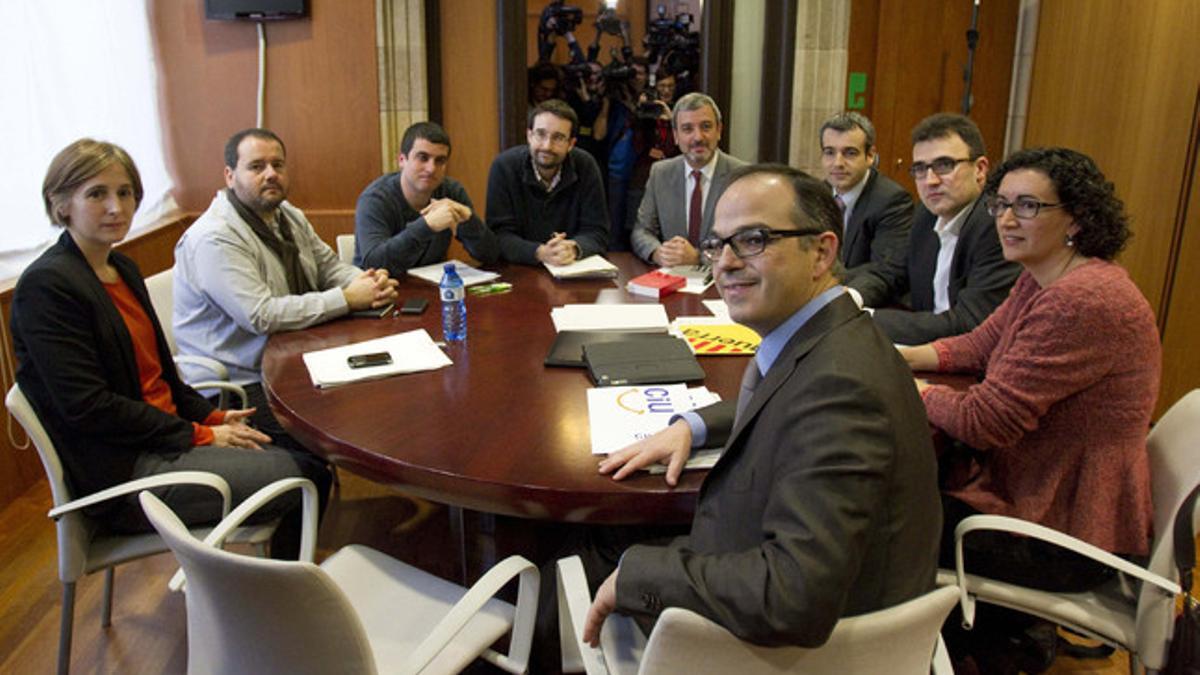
<point x="497" y="431"/>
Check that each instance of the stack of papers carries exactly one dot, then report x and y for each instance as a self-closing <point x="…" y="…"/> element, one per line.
<point x="411" y="352"/>
<point x="717" y="307"/>
<point x="470" y="275"/>
<point x="622" y="317"/>
<point x="698" y="278"/>
<point x="591" y="267"/>
<point x="619" y="416"/>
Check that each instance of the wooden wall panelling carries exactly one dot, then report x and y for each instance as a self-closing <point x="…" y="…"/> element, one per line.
<point x="322" y="98"/>
<point x="470" y="106"/>
<point x="1116" y="81"/>
<point x="920" y="55"/>
<point x="1181" y="320"/>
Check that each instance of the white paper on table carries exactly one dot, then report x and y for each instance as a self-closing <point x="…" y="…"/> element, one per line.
<point x="717" y="307"/>
<point x="640" y="316"/>
<point x="591" y="266"/>
<point x="470" y="275"/>
<point x="618" y="416"/>
<point x="411" y="352"/>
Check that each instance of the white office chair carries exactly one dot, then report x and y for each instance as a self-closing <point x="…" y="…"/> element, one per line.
<point x="904" y="639"/>
<point x="83" y="547"/>
<point x="360" y="611"/>
<point x="345" y="248"/>
<point x="162" y="298"/>
<point x="1140" y="621"/>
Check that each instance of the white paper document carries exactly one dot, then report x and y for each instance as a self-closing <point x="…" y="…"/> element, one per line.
<point x="588" y="268"/>
<point x="470" y="275"/>
<point x="411" y="352"/>
<point x="718" y="308"/>
<point x="618" y="416"/>
<point x="639" y="316"/>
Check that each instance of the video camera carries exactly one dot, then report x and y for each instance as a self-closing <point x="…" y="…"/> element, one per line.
<point x="560" y="19"/>
<point x="672" y="43"/>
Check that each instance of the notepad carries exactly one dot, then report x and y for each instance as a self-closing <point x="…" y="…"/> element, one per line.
<point x="627" y="317"/>
<point x="411" y="352"/>
<point x="591" y="267"/>
<point x="470" y="275"/>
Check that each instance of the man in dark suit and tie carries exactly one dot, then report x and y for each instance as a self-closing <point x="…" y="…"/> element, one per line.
<point x="955" y="270"/>
<point x="677" y="208"/>
<point x="824" y="503"/>
<point x="876" y="211"/>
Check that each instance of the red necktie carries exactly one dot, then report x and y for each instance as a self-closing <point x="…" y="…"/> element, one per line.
<point x="695" y="210"/>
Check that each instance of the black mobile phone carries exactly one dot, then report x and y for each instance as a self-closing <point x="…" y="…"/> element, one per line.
<point x="414" y="306"/>
<point x="369" y="360"/>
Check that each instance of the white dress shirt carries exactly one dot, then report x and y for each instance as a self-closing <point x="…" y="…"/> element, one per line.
<point x="947" y="231"/>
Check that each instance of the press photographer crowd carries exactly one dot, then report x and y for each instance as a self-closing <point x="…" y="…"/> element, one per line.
<point x="623" y="104"/>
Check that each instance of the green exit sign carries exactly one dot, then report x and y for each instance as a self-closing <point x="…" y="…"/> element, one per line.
<point x="856" y="91"/>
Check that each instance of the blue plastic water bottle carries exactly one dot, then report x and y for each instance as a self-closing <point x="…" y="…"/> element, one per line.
<point x="454" y="306"/>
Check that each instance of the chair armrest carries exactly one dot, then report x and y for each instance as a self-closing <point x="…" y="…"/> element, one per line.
<point x="574" y="599"/>
<point x="225" y="388"/>
<point x="204" y="478"/>
<point x="308" y="531"/>
<point x="214" y="366"/>
<point x="470" y="604"/>
<point x="1050" y="536"/>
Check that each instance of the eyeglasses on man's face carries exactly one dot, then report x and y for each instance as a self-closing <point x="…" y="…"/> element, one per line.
<point x="1022" y="207"/>
<point x="942" y="166"/>
<point x="555" y="138"/>
<point x="749" y="242"/>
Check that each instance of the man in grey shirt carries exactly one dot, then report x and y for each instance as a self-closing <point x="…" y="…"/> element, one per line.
<point x="252" y="265"/>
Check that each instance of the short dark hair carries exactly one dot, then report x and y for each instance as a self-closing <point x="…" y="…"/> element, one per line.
<point x="78" y="163"/>
<point x="556" y="107"/>
<point x="231" y="146"/>
<point x="814" y="205"/>
<point x="1083" y="191"/>
<point x="943" y="125"/>
<point x="429" y="131"/>
<point x="848" y="121"/>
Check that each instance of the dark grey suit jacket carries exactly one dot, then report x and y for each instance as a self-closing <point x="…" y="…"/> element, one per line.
<point x="824" y="504"/>
<point x="980" y="279"/>
<point x="663" y="212"/>
<point x="878" y="226"/>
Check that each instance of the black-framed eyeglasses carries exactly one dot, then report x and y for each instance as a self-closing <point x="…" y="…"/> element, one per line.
<point x="942" y="166"/>
<point x="749" y="242"/>
<point x="555" y="138"/>
<point x="1022" y="207"/>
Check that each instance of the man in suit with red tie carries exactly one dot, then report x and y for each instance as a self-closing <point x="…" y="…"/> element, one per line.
<point x="824" y="502"/>
<point x="677" y="209"/>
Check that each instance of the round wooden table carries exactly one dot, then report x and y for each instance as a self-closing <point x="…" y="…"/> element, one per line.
<point x="497" y="431"/>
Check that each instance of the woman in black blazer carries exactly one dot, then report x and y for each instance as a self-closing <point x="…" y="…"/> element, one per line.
<point x="95" y="365"/>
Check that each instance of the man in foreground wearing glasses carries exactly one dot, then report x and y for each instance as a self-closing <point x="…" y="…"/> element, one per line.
<point x="545" y="200"/>
<point x="955" y="272"/>
<point x="824" y="503"/>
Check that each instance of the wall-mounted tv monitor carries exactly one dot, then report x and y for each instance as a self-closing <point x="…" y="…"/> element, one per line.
<point x="255" y="10"/>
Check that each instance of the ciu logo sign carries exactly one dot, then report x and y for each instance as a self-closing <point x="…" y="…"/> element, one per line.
<point x="653" y="400"/>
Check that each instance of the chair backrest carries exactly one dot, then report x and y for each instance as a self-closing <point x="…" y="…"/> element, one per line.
<point x="345" y="248"/>
<point x="74" y="529"/>
<point x="254" y="615"/>
<point x="1174" y="449"/>
<point x="899" y="639"/>
<point x="162" y="297"/>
